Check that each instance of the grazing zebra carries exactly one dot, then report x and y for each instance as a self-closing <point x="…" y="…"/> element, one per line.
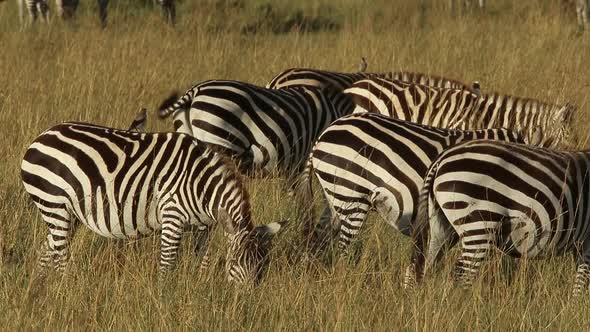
<point x="341" y="81"/>
<point x="126" y="185"/>
<point x="371" y="161"/>
<point x="264" y="129"/>
<point x="528" y="201"/>
<point x="460" y="108"/>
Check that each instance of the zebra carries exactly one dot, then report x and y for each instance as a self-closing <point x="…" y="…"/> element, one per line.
<point x="460" y="108"/>
<point x="126" y="185"/>
<point x="341" y="81"/>
<point x="371" y="161"/>
<point x="528" y="201"/>
<point x="264" y="129"/>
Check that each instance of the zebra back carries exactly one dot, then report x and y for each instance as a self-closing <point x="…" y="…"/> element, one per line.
<point x="427" y="105"/>
<point x="263" y="128"/>
<point x="524" y="114"/>
<point x="463" y="109"/>
<point x="341" y="81"/>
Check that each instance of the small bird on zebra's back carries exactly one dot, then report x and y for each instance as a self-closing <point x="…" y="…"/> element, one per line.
<point x="140" y="121"/>
<point x="363" y="65"/>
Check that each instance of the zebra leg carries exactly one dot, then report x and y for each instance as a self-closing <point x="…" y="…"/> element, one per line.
<point x="31" y="6"/>
<point x="43" y="8"/>
<point x="582" y="282"/>
<point x="351" y="220"/>
<point x="66" y="8"/>
<point x="55" y="251"/>
<point x="21" y="13"/>
<point x="441" y="237"/>
<point x="172" y="228"/>
<point x="102" y="12"/>
<point x="582" y="13"/>
<point x="169" y="11"/>
<point x="476" y="243"/>
<point x="202" y="248"/>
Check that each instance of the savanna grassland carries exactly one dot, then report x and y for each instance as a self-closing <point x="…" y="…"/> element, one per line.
<point x="58" y="72"/>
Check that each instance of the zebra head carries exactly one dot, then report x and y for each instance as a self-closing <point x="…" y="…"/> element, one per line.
<point x="247" y="257"/>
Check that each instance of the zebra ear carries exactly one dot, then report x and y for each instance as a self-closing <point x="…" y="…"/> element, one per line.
<point x="265" y="232"/>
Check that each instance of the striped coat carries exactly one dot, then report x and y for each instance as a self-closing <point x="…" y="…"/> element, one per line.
<point x="340" y="81"/>
<point x="371" y="161"/>
<point x="264" y="129"/>
<point x="463" y="109"/>
<point x="528" y="201"/>
<point x="126" y="185"/>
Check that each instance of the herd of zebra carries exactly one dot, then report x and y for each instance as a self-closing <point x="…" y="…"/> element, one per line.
<point x="439" y="160"/>
<point x="67" y="8"/>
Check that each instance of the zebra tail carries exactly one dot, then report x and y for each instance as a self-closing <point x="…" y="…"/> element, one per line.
<point x="306" y="190"/>
<point x="421" y="229"/>
<point x="173" y="103"/>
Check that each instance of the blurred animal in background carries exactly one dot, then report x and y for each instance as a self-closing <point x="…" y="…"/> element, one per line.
<point x="67" y="8"/>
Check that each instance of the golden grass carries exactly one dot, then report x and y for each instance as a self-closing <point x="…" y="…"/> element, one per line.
<point x="59" y="72"/>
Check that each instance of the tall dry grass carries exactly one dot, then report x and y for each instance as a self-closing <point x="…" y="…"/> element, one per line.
<point x="56" y="72"/>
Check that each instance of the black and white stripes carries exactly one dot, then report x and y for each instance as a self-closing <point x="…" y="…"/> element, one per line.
<point x="127" y="185"/>
<point x="530" y="202"/>
<point x="341" y="81"/>
<point x="462" y="109"/>
<point x="371" y="161"/>
<point x="264" y="129"/>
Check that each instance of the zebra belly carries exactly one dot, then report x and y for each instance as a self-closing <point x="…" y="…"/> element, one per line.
<point x="126" y="220"/>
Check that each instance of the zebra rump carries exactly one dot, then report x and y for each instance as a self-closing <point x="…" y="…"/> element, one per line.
<point x="528" y="201"/>
<point x="370" y="161"/>
<point x="264" y="129"/>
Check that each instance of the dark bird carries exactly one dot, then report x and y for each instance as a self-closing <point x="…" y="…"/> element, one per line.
<point x="363" y="65"/>
<point x="139" y="122"/>
<point x="476" y="88"/>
